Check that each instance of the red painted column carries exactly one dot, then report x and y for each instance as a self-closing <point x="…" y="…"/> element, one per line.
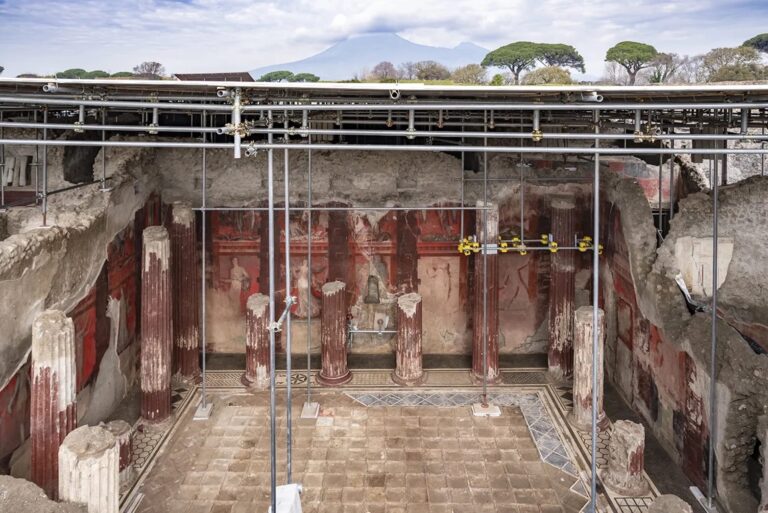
<point x="562" y="289"/>
<point x="408" y="355"/>
<point x="257" y="369"/>
<point x="186" y="289"/>
<point x="156" y="325"/>
<point x="581" y="415"/>
<point x="626" y="459"/>
<point x="333" y="335"/>
<point x="53" y="410"/>
<point x="491" y="235"/>
<point x="123" y="433"/>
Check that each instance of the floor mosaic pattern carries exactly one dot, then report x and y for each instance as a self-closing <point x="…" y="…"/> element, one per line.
<point x="543" y="405"/>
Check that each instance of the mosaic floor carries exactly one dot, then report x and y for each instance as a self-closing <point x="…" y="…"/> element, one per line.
<point x="375" y="447"/>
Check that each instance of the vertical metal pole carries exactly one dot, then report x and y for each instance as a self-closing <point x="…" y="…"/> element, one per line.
<point x="461" y="175"/>
<point x="660" y="206"/>
<point x="672" y="183"/>
<point x="288" y="313"/>
<point x="595" y="317"/>
<point x="713" y="352"/>
<point x="522" y="187"/>
<point x="272" y="408"/>
<point x="485" y="263"/>
<point x="2" y="164"/>
<point x="762" y="156"/>
<point x="104" y="149"/>
<point x="203" y="216"/>
<point x="309" y="271"/>
<point x="45" y="167"/>
<point x="37" y="163"/>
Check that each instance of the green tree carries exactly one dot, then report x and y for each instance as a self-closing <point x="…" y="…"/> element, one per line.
<point x="632" y="56"/>
<point x="561" y="55"/>
<point x="97" y="73"/>
<point x="305" y="77"/>
<point x="516" y="57"/>
<point x="72" y="73"/>
<point x="732" y="58"/>
<point x="1" y="70"/>
<point x="122" y="74"/>
<point x="551" y="75"/>
<point x="759" y="42"/>
<point x="470" y="74"/>
<point x="664" y="67"/>
<point x="738" y="73"/>
<point x="497" y="80"/>
<point x="277" y="76"/>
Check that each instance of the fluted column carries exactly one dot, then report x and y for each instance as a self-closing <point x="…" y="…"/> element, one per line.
<point x="89" y="469"/>
<point x="562" y="289"/>
<point x="53" y="410"/>
<point x="581" y="415"/>
<point x="626" y="460"/>
<point x="488" y="316"/>
<point x="186" y="289"/>
<point x="123" y="433"/>
<point x="257" y="342"/>
<point x="408" y="354"/>
<point x="156" y="326"/>
<point x="333" y="335"/>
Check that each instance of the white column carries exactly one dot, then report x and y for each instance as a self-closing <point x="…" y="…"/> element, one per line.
<point x="89" y="469"/>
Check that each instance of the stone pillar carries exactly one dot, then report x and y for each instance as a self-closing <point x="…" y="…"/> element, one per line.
<point x="626" y="459"/>
<point x="257" y="369"/>
<point x="492" y="281"/>
<point x="562" y="288"/>
<point x="186" y="291"/>
<point x="123" y="434"/>
<point x="53" y="410"/>
<point x="333" y="335"/>
<point x="581" y="415"/>
<point x="156" y="326"/>
<point x="408" y="370"/>
<point x="669" y="504"/>
<point x="89" y="469"/>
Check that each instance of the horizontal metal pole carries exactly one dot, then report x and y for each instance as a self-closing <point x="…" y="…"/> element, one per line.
<point x="119" y="128"/>
<point x="337" y="209"/>
<point x="560" y="150"/>
<point x="371" y="332"/>
<point x="108" y="103"/>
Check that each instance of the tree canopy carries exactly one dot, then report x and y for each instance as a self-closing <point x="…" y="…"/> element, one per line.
<point x="150" y="70"/>
<point x="470" y="74"/>
<point x="305" y="77"/>
<point x="516" y="57"/>
<point x="551" y="75"/>
<point x="759" y="42"/>
<point x="523" y="55"/>
<point x="383" y="71"/>
<point x="277" y="76"/>
<point x="431" y="70"/>
<point x="632" y="56"/>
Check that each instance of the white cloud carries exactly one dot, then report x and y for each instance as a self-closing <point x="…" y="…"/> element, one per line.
<point x="229" y="35"/>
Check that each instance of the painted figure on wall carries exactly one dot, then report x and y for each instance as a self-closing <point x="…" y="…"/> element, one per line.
<point x="308" y="305"/>
<point x="239" y="284"/>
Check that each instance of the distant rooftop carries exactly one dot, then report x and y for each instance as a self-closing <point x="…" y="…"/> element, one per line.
<point x="237" y="76"/>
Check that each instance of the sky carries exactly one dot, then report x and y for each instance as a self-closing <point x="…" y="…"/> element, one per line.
<point x="45" y="36"/>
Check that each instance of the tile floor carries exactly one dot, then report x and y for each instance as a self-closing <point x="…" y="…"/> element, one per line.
<point x="358" y="458"/>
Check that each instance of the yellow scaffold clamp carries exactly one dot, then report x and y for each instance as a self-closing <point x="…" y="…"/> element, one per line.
<point x="519" y="246"/>
<point x="585" y="244"/>
<point x="503" y="246"/>
<point x="544" y="239"/>
<point x="468" y="246"/>
<point x="552" y="246"/>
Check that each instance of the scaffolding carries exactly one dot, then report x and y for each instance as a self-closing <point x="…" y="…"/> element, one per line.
<point x="246" y="117"/>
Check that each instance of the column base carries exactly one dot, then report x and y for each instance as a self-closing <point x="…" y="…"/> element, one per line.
<point x="194" y="379"/>
<point x="478" y="379"/>
<point x="641" y="488"/>
<point x="334" y="381"/>
<point x="310" y="410"/>
<point x="602" y="423"/>
<point x="489" y="410"/>
<point x="409" y="382"/>
<point x="255" y="385"/>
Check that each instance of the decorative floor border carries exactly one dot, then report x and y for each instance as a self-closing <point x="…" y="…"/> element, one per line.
<point x="545" y="408"/>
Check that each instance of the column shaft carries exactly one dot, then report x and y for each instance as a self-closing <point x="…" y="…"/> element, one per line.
<point x="562" y="290"/>
<point x="186" y="289"/>
<point x="490" y="314"/>
<point x="257" y="369"/>
<point x="333" y="335"/>
<point x="123" y="434"/>
<point x="53" y="410"/>
<point x="626" y="460"/>
<point x="89" y="469"/>
<point x="581" y="415"/>
<point x="408" y="350"/>
<point x="156" y="326"/>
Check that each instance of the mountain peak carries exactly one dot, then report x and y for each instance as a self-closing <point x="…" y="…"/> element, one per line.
<point x="349" y="57"/>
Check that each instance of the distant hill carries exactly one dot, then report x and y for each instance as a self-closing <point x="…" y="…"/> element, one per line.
<point x="346" y="58"/>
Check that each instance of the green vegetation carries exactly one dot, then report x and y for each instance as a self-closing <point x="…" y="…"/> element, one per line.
<point x="473" y="74"/>
<point x="759" y="42"/>
<point x="549" y="75"/>
<point x="305" y="77"/>
<point x="524" y="55"/>
<point x="632" y="56"/>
